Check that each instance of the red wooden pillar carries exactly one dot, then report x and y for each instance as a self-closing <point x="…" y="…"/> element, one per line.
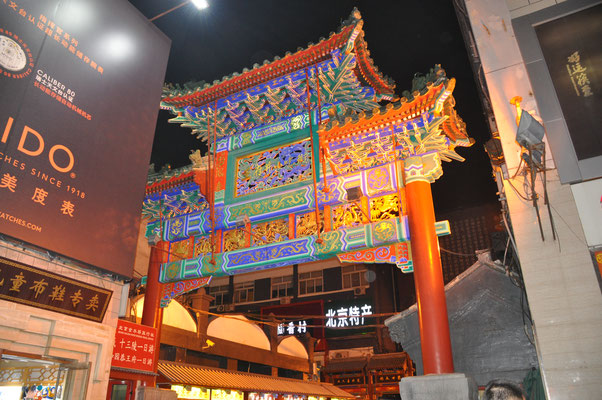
<point x="152" y="297"/>
<point x="428" y="276"/>
<point x="152" y="314"/>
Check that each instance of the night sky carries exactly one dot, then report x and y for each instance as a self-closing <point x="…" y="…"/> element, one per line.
<point x="403" y="38"/>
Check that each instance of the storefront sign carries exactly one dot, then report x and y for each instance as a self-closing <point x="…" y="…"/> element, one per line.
<point x="300" y="327"/>
<point x="385" y="378"/>
<point x="221" y="394"/>
<point x="263" y="396"/>
<point x="80" y="86"/>
<point x="293" y="328"/>
<point x="350" y="380"/>
<point x="348" y="317"/>
<point x="34" y="287"/>
<point x="191" y="392"/>
<point x="134" y="346"/>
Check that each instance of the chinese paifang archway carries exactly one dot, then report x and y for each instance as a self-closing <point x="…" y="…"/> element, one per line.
<point x="319" y="127"/>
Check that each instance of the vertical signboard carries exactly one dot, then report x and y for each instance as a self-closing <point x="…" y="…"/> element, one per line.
<point x="571" y="48"/>
<point x="134" y="346"/>
<point x="80" y="85"/>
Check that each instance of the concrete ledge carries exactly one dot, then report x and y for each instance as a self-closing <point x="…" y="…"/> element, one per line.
<point x="438" y="387"/>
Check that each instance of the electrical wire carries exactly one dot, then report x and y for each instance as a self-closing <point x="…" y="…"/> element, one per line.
<point x="456" y="254"/>
<point x="275" y="321"/>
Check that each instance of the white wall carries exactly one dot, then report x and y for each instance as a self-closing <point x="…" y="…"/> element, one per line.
<point x="45" y="333"/>
<point x="588" y="196"/>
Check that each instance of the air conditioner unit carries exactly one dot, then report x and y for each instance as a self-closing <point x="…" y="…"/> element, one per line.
<point x="359" y="291"/>
<point x="341" y="354"/>
<point x="228" y="307"/>
<point x="221" y="308"/>
<point x="286" y="300"/>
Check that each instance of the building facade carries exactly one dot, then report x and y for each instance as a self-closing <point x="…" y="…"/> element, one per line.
<point x="541" y="51"/>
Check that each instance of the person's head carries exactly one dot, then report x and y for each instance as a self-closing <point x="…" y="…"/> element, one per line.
<point x="503" y="390"/>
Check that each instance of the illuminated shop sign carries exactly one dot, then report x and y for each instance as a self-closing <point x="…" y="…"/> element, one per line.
<point x="347" y="316"/>
<point x="226" y="394"/>
<point x="292" y="328"/>
<point x="191" y="392"/>
<point x="80" y="84"/>
<point x="201" y="393"/>
<point x="263" y="396"/>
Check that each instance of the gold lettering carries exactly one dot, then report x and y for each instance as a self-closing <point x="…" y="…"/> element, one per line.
<point x="18" y="281"/>
<point x="39" y="287"/>
<point x="76" y="298"/>
<point x="58" y="293"/>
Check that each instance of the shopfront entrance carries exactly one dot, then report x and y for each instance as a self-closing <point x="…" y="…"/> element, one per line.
<point x="25" y="376"/>
<point x="120" y="390"/>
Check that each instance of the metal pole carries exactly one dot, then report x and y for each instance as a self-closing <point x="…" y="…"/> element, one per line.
<point x="170" y="10"/>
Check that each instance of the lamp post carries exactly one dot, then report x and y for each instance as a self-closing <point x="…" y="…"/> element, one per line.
<point x="199" y="4"/>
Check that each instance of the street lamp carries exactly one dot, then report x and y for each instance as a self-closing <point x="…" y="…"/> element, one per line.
<point x="199" y="4"/>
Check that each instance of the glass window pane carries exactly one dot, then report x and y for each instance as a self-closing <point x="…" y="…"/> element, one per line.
<point x="119" y="392"/>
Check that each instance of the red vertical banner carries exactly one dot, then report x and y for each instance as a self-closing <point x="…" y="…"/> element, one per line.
<point x="221" y="165"/>
<point x="598" y="255"/>
<point x="135" y="347"/>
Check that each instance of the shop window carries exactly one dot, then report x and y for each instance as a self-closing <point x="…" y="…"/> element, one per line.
<point x="244" y="292"/>
<point x="282" y="286"/>
<point x="37" y="377"/>
<point x="220" y="294"/>
<point x="310" y="282"/>
<point x="354" y="276"/>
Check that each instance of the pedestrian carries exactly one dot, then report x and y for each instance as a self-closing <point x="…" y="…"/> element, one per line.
<point x="503" y="390"/>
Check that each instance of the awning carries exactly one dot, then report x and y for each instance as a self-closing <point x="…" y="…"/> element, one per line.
<point x="198" y="375"/>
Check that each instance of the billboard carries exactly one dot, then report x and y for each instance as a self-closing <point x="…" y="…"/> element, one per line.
<point x="80" y="85"/>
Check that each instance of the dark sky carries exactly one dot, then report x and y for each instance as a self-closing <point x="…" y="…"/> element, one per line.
<point x="404" y="37"/>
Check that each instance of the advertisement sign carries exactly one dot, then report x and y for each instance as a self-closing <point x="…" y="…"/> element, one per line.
<point x="34" y="287"/>
<point x="134" y="346"/>
<point x="80" y="85"/>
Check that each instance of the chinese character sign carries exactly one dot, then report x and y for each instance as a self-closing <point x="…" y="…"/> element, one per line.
<point x="77" y="117"/>
<point x="347" y="316"/>
<point x="573" y="56"/>
<point x="342" y="316"/>
<point x="34" y="287"/>
<point x="293" y="328"/>
<point x="134" y="346"/>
